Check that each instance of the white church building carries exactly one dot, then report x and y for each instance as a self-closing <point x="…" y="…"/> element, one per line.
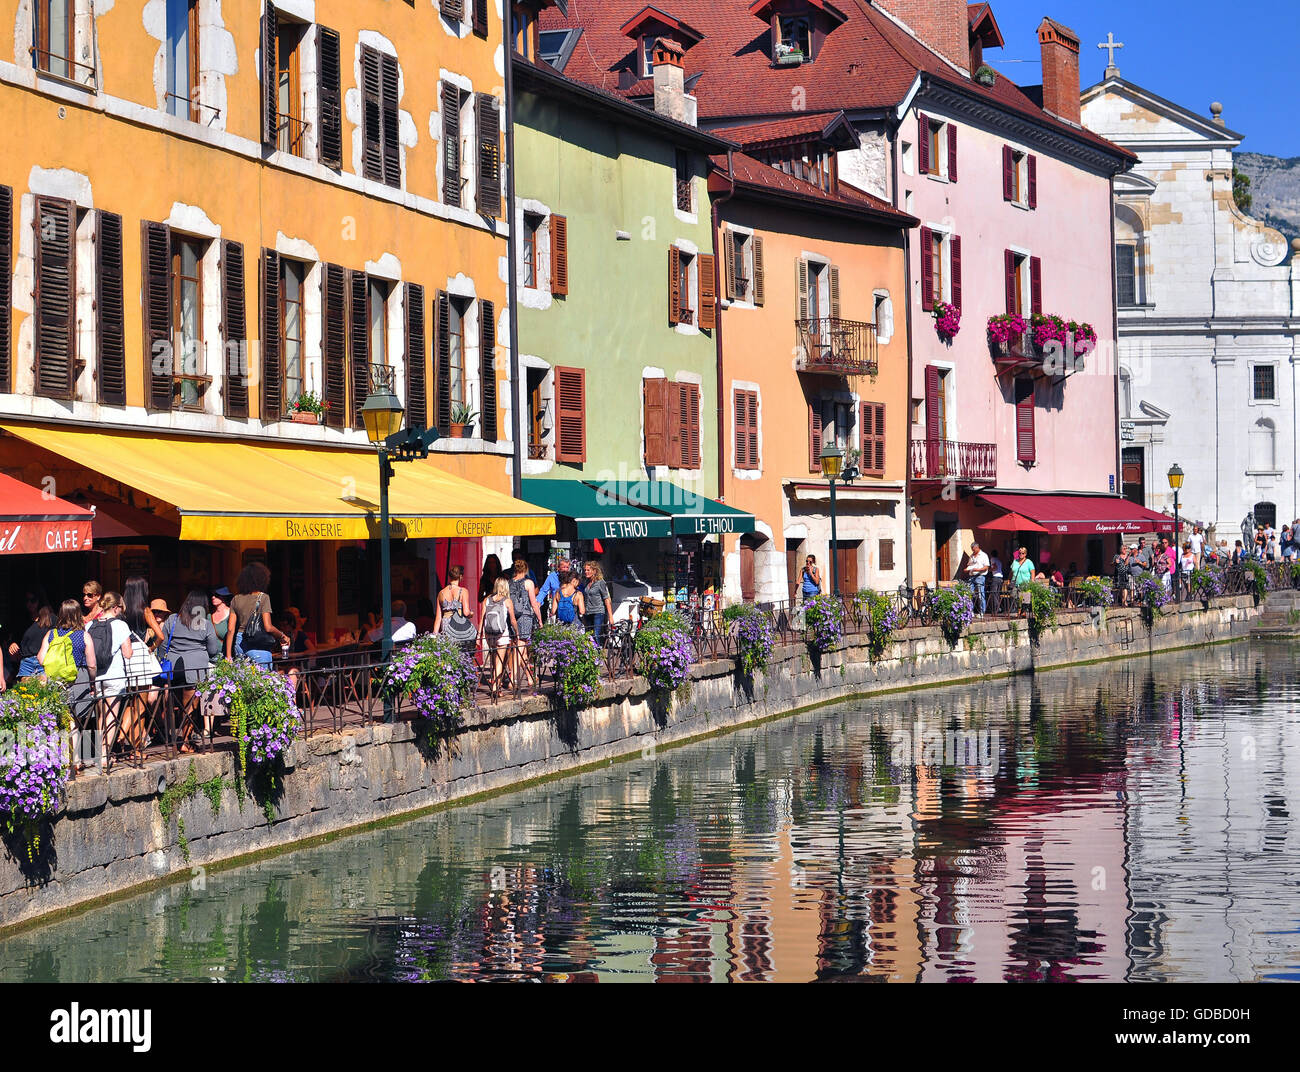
<point x="1208" y="319"/>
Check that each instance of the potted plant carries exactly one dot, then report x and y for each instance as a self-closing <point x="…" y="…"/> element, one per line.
<point x="788" y="55"/>
<point x="1006" y="330"/>
<point x="986" y="75"/>
<point x="463" y="415"/>
<point x="947" y="320"/>
<point x="308" y="408"/>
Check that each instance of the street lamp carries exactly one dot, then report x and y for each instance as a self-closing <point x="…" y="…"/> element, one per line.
<point x="382" y="416"/>
<point x="1176" y="482"/>
<point x="832" y="463"/>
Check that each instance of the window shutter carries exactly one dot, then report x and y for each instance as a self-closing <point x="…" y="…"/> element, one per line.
<point x="691" y="436"/>
<point x="390" y="129"/>
<point x="1033" y="181"/>
<point x="270" y="79"/>
<point x="372" y="147"/>
<point x="1009" y="277"/>
<point x="481" y="18"/>
<point x="571" y="410"/>
<point x="110" y="318"/>
<point x="927" y="269"/>
<point x="334" y="343"/>
<point x="453" y="9"/>
<point x="359" y="342"/>
<point x="922" y="143"/>
<point x="417" y="401"/>
<point x="329" y="92"/>
<point x="803" y="289"/>
<point x="932" y="428"/>
<point x="156" y="241"/>
<point x="234" y="331"/>
<point x="560" y="256"/>
<point x="1008" y="173"/>
<point x="1025" y="420"/>
<point x="814" y="437"/>
<point x="674" y="287"/>
<point x="729" y="239"/>
<point x="450" y="142"/>
<point x="487" y="360"/>
<point x="746" y="421"/>
<point x="1036" y="283"/>
<point x="956" y="271"/>
<point x="835" y="292"/>
<point x="677" y="431"/>
<point x="952" y="152"/>
<point x="656" y="421"/>
<point x="759" y="288"/>
<point x="56" y="297"/>
<point x="489" y="155"/>
<point x="6" y="288"/>
<point x="443" y="371"/>
<point x="708" y="274"/>
<point x="873" y="439"/>
<point x="273" y="400"/>
<point x="886" y="554"/>
<point x="753" y="430"/>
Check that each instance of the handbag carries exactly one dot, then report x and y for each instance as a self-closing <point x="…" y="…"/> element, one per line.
<point x="253" y="635"/>
<point x="460" y="627"/>
<point x="143" y="666"/>
<point x="164" y="675"/>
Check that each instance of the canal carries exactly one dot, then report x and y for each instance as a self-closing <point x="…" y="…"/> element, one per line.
<point x="1131" y="821"/>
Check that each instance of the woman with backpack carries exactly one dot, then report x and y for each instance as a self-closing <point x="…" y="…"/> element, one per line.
<point x="567" y="604"/>
<point x="496" y="627"/>
<point x="528" y="613"/>
<point x="66" y="658"/>
<point x="453" y="609"/>
<point x="251" y="632"/>
<point x="194" y="646"/>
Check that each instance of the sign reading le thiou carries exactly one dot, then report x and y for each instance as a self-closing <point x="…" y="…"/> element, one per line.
<point x="39" y="537"/>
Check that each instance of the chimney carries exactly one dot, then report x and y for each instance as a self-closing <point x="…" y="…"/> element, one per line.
<point x="671" y="98"/>
<point x="1060" y="47"/>
<point x="944" y="25"/>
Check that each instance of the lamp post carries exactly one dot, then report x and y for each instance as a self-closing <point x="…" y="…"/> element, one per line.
<point x="1176" y="482"/>
<point x="382" y="416"/>
<point x="832" y="462"/>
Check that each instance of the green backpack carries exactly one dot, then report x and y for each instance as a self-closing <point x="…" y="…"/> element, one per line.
<point x="59" y="663"/>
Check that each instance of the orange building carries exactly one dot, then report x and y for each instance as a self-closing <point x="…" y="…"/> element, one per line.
<point x="813" y="354"/>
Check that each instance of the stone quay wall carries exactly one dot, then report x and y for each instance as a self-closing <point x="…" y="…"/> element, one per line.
<point x="112" y="837"/>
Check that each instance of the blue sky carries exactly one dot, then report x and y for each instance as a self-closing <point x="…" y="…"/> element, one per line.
<point x="1191" y="52"/>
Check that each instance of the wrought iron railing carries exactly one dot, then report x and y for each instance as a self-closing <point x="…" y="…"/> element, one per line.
<point x="949" y="459"/>
<point x="290" y="134"/>
<point x="80" y="74"/>
<point x="840" y="347"/>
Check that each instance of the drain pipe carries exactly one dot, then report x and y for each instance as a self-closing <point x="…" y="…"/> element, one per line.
<point x="907" y="399"/>
<point x="516" y="388"/>
<point x="718" y="261"/>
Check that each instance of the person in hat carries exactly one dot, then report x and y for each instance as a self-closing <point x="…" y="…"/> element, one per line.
<point x="220" y="600"/>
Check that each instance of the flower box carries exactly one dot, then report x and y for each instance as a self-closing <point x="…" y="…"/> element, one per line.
<point x="305" y="418"/>
<point x="789" y="59"/>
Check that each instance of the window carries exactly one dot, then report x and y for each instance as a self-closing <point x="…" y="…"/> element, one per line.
<point x="377" y="291"/>
<point x="452" y="10"/>
<point x="487" y="115"/>
<point x="187" y="320"/>
<point x="940" y="268"/>
<point x="886" y="555"/>
<point x="837" y="423"/>
<point x="523" y="31"/>
<point x="740" y="249"/>
<point x="458" y="308"/>
<point x="936" y="289"/>
<point x="872" y="462"/>
<point x="1263" y="383"/>
<point x="539" y="414"/>
<point x="685" y="313"/>
<point x="672" y="423"/>
<point x="55" y="31"/>
<point x="792" y="38"/>
<point x="1019" y="177"/>
<point x="685" y="182"/>
<point x="812" y="163"/>
<point x="480" y="18"/>
<point x="647" y="55"/>
<point x="692" y="297"/>
<point x="56" y="296"/>
<point x="746" y="423"/>
<point x="936" y="148"/>
<point x="381" y="153"/>
<point x="1126" y="273"/>
<point x="1266" y="514"/>
<point x="1263" y="446"/>
<point x="571" y="415"/>
<point x="452" y="180"/>
<point x="181" y="56"/>
<point x="528" y="249"/>
<point x="290" y="127"/>
<point x="1024" y="282"/>
<point x="883" y="314"/>
<point x="293" y="280"/>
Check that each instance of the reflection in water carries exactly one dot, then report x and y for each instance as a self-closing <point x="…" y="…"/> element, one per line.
<point x="1130" y="821"/>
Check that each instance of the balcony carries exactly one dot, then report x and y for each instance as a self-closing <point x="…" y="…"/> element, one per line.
<point x="836" y="347"/>
<point x="951" y="461"/>
<point x="1021" y="356"/>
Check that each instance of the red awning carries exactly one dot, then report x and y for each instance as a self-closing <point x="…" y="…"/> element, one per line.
<point x="1077" y="515"/>
<point x="115" y="520"/>
<point x="32" y="522"/>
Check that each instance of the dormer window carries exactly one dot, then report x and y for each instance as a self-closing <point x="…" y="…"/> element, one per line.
<point x="648" y="56"/>
<point x="798" y="27"/>
<point x="793" y="39"/>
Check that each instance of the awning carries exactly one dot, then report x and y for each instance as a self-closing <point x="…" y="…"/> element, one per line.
<point x="230" y="489"/>
<point x="599" y="517"/>
<point x="116" y="520"/>
<point x="1074" y="515"/>
<point x="34" y="522"/>
<point x="692" y="514"/>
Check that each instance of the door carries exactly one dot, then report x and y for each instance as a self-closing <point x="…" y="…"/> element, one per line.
<point x="1133" y="486"/>
<point x="943" y="564"/>
<point x="846" y="557"/>
<point x="793" y="567"/>
<point x="747" y="569"/>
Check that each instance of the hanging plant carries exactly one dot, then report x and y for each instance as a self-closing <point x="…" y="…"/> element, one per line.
<point x="1085" y="337"/>
<point x="664" y="648"/>
<point x="1151" y="596"/>
<point x="824" y="618"/>
<point x="572" y="654"/>
<point x="1006" y="326"/>
<point x="954" y="609"/>
<point x="264" y="717"/>
<point x="34" y="717"/>
<point x="947" y="320"/>
<point x="437" y="676"/>
<point x="881" y="616"/>
<point x="754" y="638"/>
<point x="1049" y="328"/>
<point x="1043" y="601"/>
<point x="1093" y="592"/>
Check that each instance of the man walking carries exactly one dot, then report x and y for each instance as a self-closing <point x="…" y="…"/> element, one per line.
<point x="978" y="572"/>
<point x="551" y="586"/>
<point x="1197" y="540"/>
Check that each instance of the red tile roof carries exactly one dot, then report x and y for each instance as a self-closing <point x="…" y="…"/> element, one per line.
<point x="754" y="135"/>
<point x="763" y="177"/>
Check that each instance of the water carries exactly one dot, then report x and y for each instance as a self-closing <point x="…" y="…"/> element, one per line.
<point x="1130" y="821"/>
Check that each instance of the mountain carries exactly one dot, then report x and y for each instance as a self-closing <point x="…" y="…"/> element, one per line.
<point x="1275" y="184"/>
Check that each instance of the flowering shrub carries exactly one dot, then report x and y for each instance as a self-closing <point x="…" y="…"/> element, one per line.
<point x="754" y="637"/>
<point x="1006" y="326"/>
<point x="1085" y="337"/>
<point x="947" y="320"/>
<point x="1206" y="582"/>
<point x="571" y="652"/>
<point x="1093" y="592"/>
<point x="33" y="770"/>
<point x="1049" y="328"/>
<point x="824" y="619"/>
<point x="881" y="617"/>
<point x="309" y="402"/>
<point x="1260" y="576"/>
<point x="264" y="717"/>
<point x="1043" y="600"/>
<point x="664" y="647"/>
<point x="954" y="609"/>
<point x="437" y="675"/>
<point x="1151" y="596"/>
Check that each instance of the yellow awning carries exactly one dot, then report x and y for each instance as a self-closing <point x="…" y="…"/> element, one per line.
<point x="230" y="489"/>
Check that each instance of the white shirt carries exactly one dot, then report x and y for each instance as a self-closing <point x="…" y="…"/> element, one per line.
<point x="1196" y="540"/>
<point x="402" y="630"/>
<point x="996" y="567"/>
<point x="978" y="566"/>
<point x="113" y="679"/>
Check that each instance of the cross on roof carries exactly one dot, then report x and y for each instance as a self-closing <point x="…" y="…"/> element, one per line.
<point x="1110" y="45"/>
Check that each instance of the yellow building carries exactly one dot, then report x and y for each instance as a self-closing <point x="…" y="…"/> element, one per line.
<point x="215" y="211"/>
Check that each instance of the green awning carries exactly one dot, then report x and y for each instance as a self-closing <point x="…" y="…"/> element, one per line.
<point x="692" y="514"/>
<point x="599" y="515"/>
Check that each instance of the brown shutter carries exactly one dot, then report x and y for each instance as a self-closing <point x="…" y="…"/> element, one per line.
<point x="758" y="282"/>
<point x="234" y="331"/>
<point x="1025" y="420"/>
<point x="443" y="371"/>
<point x="334" y="343"/>
<point x="674" y="285"/>
<point x="453" y="9"/>
<point x="489" y="154"/>
<point x="729" y="263"/>
<point x="746" y="421"/>
<point x="156" y="240"/>
<point x="922" y="143"/>
<point x="560" y="256"/>
<point x="1033" y="181"/>
<point x="571" y="415"/>
<point x="481" y="18"/>
<point x="6" y="288"/>
<point x="417" y="402"/>
<point x="359" y="342"/>
<point x="1036" y="283"/>
<point x="873" y="439"/>
<point x="372" y="141"/>
<point x="708" y="269"/>
<point x="814" y="436"/>
<point x="803" y="289"/>
<point x="927" y="269"/>
<point x="932" y="402"/>
<point x="956" y="271"/>
<point x="487" y="359"/>
<point x="390" y="121"/>
<point x="56" y="297"/>
<point x="273" y="400"/>
<point x="753" y="430"/>
<point x="110" y="315"/>
<point x="691" y="451"/>
<point x="450" y="142"/>
<point x="329" y="91"/>
<point x="677" y="432"/>
<point x="1008" y="174"/>
<point x="656" y="421"/>
<point x="1009" y="276"/>
<point x="270" y="79"/>
<point x="952" y="152"/>
<point x="835" y="292"/>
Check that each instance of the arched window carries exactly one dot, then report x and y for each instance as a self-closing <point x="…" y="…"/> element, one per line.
<point x="1266" y="514"/>
<point x="1130" y="257"/>
<point x="1263" y="446"/>
<point x="1126" y="392"/>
